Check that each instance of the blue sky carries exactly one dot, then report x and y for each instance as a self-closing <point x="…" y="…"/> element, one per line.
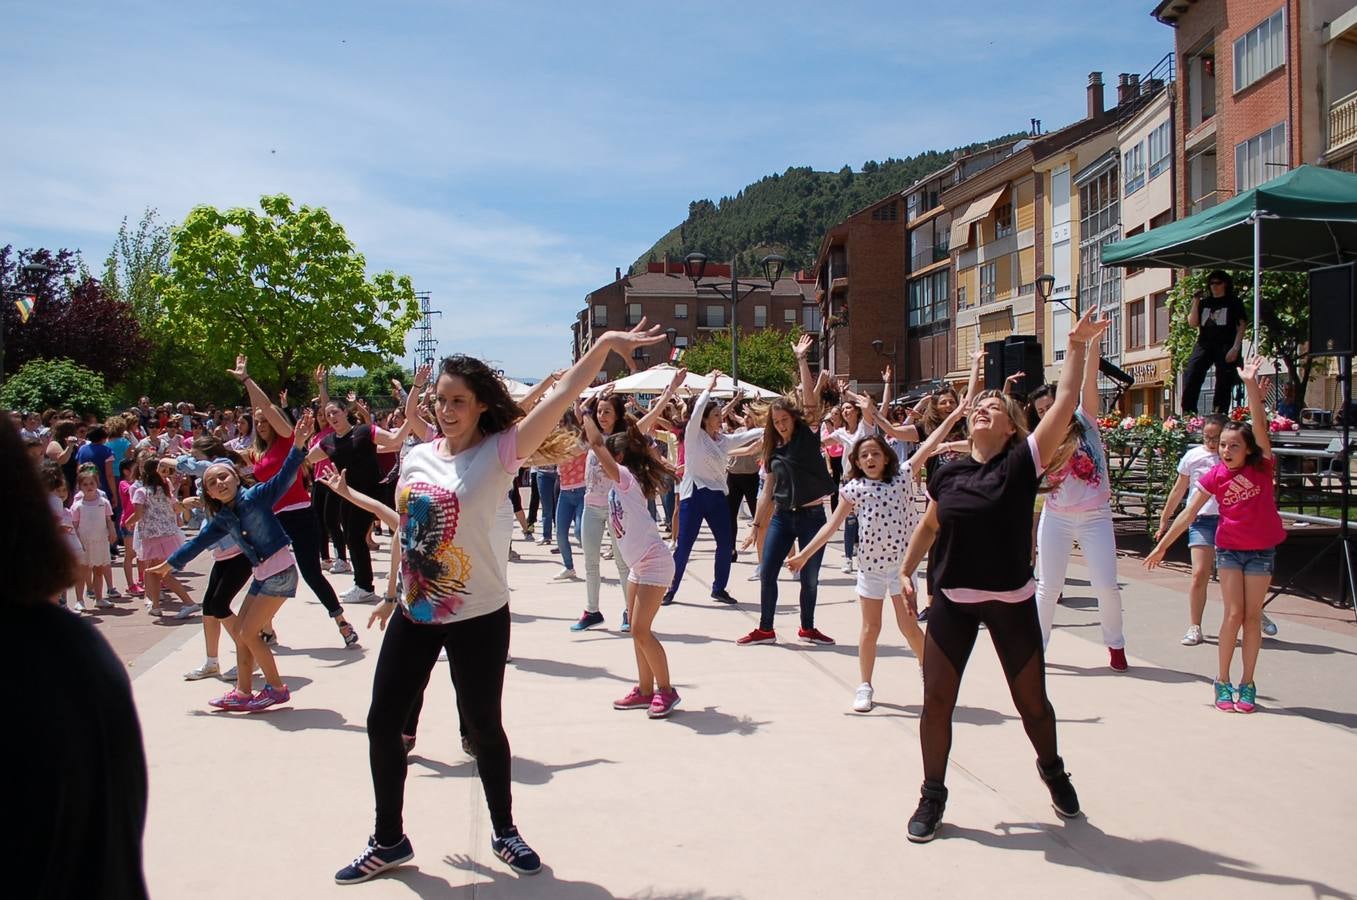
<point x="507" y="156"/>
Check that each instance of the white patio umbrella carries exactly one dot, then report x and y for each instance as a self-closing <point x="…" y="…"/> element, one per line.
<point x="517" y="389"/>
<point x="656" y="379"/>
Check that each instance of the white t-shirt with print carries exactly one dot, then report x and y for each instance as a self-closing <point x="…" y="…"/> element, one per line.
<point x="454" y="534"/>
<point x="1082" y="484"/>
<point x="886" y="514"/>
<point x="629" y="515"/>
<point x="596" y="484"/>
<point x="1195" y="463"/>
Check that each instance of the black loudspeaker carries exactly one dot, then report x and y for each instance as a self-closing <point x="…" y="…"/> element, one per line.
<point x="1333" y="310"/>
<point x="994" y="365"/>
<point x="1015" y="353"/>
<point x="1024" y="356"/>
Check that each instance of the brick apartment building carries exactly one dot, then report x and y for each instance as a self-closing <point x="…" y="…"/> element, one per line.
<point x="859" y="279"/>
<point x="664" y="295"/>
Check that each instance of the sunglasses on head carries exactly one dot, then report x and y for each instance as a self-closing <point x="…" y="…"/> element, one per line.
<point x="1215" y="281"/>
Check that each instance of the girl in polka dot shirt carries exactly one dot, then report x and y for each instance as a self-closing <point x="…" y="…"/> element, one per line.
<point x="882" y="496"/>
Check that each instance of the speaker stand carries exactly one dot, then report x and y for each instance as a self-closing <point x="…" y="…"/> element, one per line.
<point x="1347" y="583"/>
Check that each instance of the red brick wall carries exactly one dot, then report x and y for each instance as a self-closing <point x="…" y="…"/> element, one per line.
<point x="876" y="300"/>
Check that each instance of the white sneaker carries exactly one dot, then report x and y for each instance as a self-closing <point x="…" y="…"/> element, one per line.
<point x="103" y="604"/>
<point x="847" y="566"/>
<point x="366" y="597"/>
<point x="189" y="610"/>
<point x="755" y="577"/>
<point x="206" y="670"/>
<point x="352" y="595"/>
<point x="565" y="575"/>
<point x="340" y="567"/>
<point x="78" y="607"/>
<point x="230" y="674"/>
<point x="1269" y="626"/>
<point x="862" y="699"/>
<point x="1193" y="636"/>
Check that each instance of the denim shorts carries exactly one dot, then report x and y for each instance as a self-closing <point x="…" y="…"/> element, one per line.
<point x="1250" y="562"/>
<point x="284" y="584"/>
<point x="1202" y="531"/>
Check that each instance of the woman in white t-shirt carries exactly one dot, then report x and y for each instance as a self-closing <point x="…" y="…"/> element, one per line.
<point x="635" y="474"/>
<point x="455" y="597"/>
<point x="1201" y="534"/>
<point x="1079" y="509"/>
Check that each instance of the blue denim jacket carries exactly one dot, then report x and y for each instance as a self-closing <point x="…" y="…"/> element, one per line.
<point x="195" y="467"/>
<point x="250" y="520"/>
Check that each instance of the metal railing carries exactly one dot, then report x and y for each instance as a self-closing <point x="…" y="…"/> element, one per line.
<point x="1342" y="121"/>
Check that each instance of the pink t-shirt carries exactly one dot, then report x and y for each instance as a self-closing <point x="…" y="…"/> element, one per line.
<point x="324" y="467"/>
<point x="268" y="465"/>
<point x="125" y="501"/>
<point x="637" y="535"/>
<point x="1248" y="513"/>
<point x="572" y="472"/>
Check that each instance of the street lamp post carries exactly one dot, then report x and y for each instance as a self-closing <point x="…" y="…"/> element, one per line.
<point x="32" y="270"/>
<point x="695" y="264"/>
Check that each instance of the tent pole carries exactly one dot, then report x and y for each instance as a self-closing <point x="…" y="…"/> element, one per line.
<point x="1257" y="279"/>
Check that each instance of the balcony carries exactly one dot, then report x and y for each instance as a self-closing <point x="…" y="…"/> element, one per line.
<point x="927" y="257"/>
<point x="1342" y="121"/>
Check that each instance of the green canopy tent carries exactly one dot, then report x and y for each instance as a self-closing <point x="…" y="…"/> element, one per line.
<point x="1311" y="221"/>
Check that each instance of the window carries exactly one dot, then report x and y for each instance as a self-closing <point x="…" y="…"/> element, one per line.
<point x="1061" y="323"/>
<point x="1003" y="220"/>
<point x="633" y="313"/>
<point x="760" y="316"/>
<point x="1159" y="321"/>
<point x="988" y="275"/>
<point x="1260" y="51"/>
<point x="1135" y="325"/>
<point x="714" y="317"/>
<point x="1133" y="168"/>
<point x="1100" y="288"/>
<point x="1099" y="208"/>
<point x="961" y="296"/>
<point x="1161" y="220"/>
<point x="885" y="213"/>
<point x="1130" y="233"/>
<point x="600" y="316"/>
<point x="680" y="310"/>
<point x="1261" y="158"/>
<point x="1161" y="150"/>
<point x="789" y="317"/>
<point x="681" y="341"/>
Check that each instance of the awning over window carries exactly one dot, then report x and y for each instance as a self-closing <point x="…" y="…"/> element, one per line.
<point x="974" y="212"/>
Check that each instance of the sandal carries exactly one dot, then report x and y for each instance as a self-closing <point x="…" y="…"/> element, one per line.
<point x="346" y="631"/>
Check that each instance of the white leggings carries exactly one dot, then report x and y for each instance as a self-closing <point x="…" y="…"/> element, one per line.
<point x="1057" y="533"/>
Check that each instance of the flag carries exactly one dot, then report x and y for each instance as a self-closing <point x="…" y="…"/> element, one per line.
<point x="676" y="355"/>
<point x="25" y="306"/>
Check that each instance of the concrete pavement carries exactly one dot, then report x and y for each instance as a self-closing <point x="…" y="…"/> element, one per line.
<point x="764" y="783"/>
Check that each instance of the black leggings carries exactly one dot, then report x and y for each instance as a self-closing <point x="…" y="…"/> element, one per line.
<point x="952" y="629"/>
<point x="356" y="522"/>
<point x="741" y="487"/>
<point x="477" y="650"/>
<point x="835" y="469"/>
<point x="227" y="578"/>
<point x="329" y="507"/>
<point x="303" y="527"/>
<point x="1198" y="364"/>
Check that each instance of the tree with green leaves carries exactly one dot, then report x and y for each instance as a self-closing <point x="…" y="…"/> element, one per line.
<point x="1285" y="320"/>
<point x="56" y="384"/>
<point x="285" y="286"/>
<point x="766" y="357"/>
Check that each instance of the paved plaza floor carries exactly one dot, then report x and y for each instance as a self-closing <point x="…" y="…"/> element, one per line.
<point x="765" y="784"/>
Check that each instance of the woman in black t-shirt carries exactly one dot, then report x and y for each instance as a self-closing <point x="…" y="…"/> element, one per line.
<point x="1219" y="320"/>
<point x="979" y="527"/>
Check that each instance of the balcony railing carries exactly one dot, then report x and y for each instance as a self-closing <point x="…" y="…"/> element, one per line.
<point x="1342" y="121"/>
<point x="927" y="256"/>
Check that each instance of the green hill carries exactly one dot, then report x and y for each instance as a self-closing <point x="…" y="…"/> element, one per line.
<point x="789" y="213"/>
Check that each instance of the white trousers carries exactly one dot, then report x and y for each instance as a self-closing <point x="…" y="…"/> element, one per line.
<point x="1057" y="533"/>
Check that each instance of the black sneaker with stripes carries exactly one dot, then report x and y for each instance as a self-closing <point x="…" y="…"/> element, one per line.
<point x="515" y="851"/>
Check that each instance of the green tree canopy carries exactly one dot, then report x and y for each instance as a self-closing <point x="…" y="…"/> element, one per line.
<point x="285" y="286"/>
<point x="56" y="384"/>
<point x="766" y="357"/>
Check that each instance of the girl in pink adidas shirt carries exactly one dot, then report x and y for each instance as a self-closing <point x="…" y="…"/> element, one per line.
<point x="1246" y="539"/>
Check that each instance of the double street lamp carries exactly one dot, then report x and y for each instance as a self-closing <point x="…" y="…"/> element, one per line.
<point x="733" y="291"/>
<point x="32" y="270"/>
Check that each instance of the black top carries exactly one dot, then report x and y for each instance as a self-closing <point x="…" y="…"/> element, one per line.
<point x="356" y="454"/>
<point x="77" y="808"/>
<point x="802" y="475"/>
<point x="1220" y="318"/>
<point x="937" y="459"/>
<point x="985" y="521"/>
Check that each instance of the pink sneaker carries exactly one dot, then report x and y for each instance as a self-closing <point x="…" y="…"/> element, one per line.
<point x="269" y="696"/>
<point x="231" y="700"/>
<point x="136" y="590"/>
<point x="634" y="700"/>
<point x="663" y="703"/>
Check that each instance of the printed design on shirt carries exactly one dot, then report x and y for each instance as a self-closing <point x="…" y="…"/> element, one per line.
<point x="434" y="570"/>
<point x="1083" y="465"/>
<point x="1219" y="315"/>
<point x="1239" y="490"/>
<point x="615" y="513"/>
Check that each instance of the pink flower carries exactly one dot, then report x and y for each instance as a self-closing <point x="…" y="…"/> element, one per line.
<point x="1128" y="423"/>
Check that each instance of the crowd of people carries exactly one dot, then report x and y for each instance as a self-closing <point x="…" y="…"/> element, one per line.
<point x="280" y="495"/>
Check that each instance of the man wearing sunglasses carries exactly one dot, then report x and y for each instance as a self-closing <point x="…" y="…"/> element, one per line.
<point x="1219" y="319"/>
